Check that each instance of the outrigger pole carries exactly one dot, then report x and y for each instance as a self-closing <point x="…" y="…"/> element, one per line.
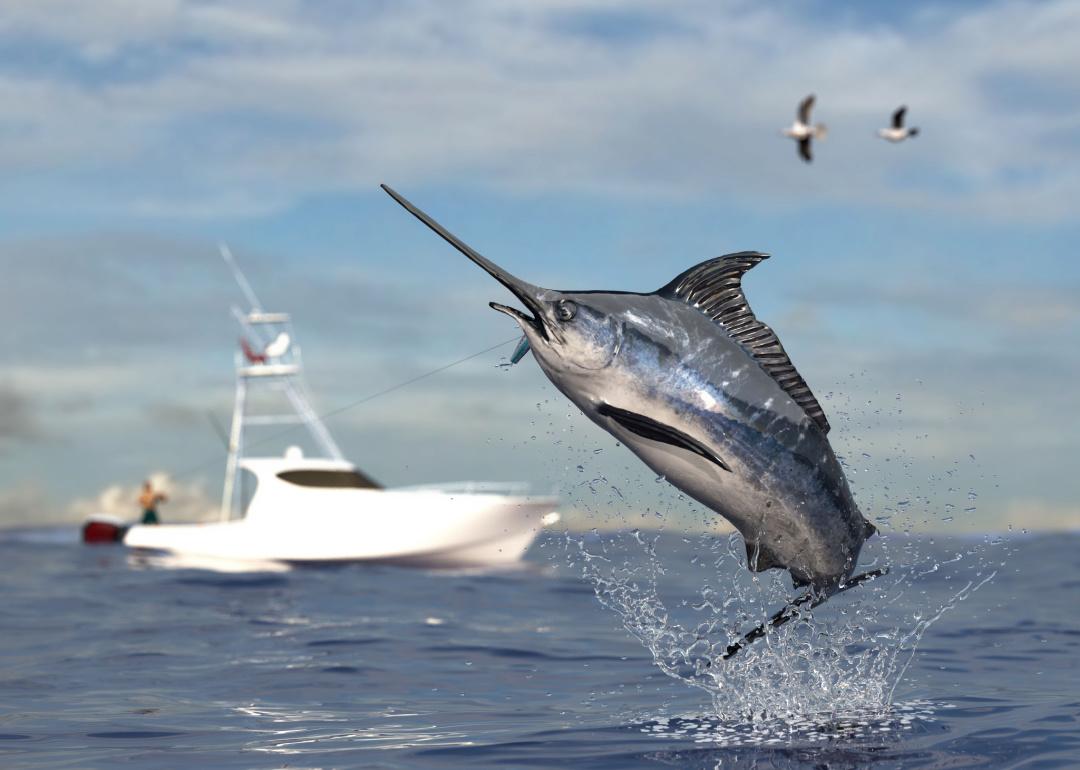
<point x="249" y="293"/>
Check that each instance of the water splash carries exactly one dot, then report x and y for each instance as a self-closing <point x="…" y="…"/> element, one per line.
<point x="686" y="594"/>
<point x="794" y="728"/>
<point x="843" y="659"/>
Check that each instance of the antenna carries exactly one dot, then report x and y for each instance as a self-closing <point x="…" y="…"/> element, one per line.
<point x="256" y="306"/>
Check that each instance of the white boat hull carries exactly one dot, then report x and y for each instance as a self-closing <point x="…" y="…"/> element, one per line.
<point x="414" y="527"/>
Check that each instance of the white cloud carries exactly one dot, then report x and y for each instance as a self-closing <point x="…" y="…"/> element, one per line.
<point x="105" y="22"/>
<point x="244" y="98"/>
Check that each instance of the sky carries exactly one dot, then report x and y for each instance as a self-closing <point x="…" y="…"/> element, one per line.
<point x="929" y="292"/>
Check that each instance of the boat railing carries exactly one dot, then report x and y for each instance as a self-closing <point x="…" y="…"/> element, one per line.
<point x="517" y="488"/>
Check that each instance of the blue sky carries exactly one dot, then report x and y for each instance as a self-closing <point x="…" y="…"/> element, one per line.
<point x="932" y="288"/>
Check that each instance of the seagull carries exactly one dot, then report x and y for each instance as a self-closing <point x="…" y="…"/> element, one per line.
<point x="898" y="132"/>
<point x="801" y="130"/>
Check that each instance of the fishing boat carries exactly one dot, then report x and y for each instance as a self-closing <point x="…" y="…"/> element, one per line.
<point x="300" y="509"/>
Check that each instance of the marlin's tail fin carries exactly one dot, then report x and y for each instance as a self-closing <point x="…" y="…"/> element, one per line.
<point x="791" y="610"/>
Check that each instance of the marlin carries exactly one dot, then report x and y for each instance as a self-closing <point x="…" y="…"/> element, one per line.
<point x="703" y="392"/>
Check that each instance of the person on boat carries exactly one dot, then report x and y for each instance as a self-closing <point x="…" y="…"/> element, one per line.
<point x="149" y="500"/>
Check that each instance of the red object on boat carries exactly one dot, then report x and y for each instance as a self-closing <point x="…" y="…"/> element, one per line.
<point x="252" y="355"/>
<point x="97" y="531"/>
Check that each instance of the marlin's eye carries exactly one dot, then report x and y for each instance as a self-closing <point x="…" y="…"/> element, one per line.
<point x="565" y="310"/>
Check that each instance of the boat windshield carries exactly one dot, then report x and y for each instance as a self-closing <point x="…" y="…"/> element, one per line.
<point x="329" y="479"/>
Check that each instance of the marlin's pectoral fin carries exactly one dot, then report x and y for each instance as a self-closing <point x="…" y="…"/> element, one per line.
<point x="646" y="427"/>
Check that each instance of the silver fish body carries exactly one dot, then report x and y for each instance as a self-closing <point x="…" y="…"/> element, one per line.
<point x="783" y="489"/>
<point x="704" y="393"/>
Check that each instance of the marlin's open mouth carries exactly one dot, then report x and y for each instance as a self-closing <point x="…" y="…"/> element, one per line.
<point x="532" y="321"/>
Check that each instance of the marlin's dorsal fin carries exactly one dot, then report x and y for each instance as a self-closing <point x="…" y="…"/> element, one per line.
<point x="715" y="288"/>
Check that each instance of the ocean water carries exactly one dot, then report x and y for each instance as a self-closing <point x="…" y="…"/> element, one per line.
<point x="600" y="652"/>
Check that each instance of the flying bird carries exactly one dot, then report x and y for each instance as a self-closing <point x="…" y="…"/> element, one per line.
<point x="802" y="131"/>
<point x="704" y="394"/>
<point x="898" y="132"/>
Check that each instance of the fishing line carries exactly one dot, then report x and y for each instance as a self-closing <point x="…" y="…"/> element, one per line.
<point x="392" y="388"/>
<point x="354" y="404"/>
